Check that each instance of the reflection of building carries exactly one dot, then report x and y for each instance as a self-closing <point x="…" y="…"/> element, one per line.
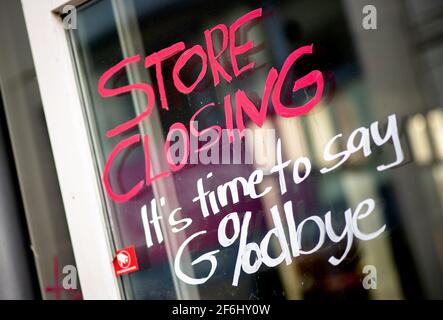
<point x="396" y="69"/>
<point x="402" y="68"/>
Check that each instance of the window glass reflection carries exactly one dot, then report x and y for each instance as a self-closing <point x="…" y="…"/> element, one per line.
<point x="368" y="75"/>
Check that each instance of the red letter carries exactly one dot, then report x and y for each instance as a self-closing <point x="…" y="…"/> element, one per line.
<point x="212" y="57"/>
<point x="228" y="118"/>
<point x="157" y="58"/>
<point x="234" y="50"/>
<point x="136" y="189"/>
<point x="306" y="81"/>
<point x="104" y="92"/>
<point x="198" y="50"/>
<point x="244" y="103"/>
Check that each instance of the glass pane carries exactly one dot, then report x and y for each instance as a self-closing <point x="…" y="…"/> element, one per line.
<point x="337" y="197"/>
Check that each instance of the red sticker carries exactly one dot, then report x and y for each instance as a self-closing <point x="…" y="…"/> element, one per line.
<point x="125" y="261"/>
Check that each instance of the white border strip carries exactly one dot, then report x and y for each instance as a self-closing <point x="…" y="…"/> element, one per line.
<point x="72" y="151"/>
